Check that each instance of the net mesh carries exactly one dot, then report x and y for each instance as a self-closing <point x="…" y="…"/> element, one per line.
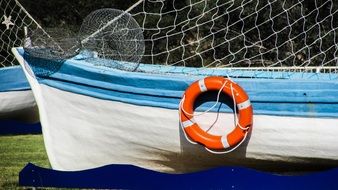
<point x="13" y="19"/>
<point x="52" y="44"/>
<point x="121" y="40"/>
<point x="269" y="35"/>
<point x="104" y="33"/>
<point x="46" y="50"/>
<point x="284" y="35"/>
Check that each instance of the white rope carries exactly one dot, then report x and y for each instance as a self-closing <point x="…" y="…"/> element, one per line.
<point x="185" y="134"/>
<point x="198" y="34"/>
<point x="13" y="37"/>
<point x="111" y="22"/>
<point x="37" y="24"/>
<point x="29" y="16"/>
<point x="236" y="122"/>
<point x="235" y="110"/>
<point x="209" y="109"/>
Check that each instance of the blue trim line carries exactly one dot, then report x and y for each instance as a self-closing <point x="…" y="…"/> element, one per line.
<point x="294" y="96"/>
<point x="13" y="79"/>
<point x="232" y="72"/>
<point x="132" y="177"/>
<point x="11" y="127"/>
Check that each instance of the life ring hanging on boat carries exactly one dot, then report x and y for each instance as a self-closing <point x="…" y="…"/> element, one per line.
<point x="193" y="130"/>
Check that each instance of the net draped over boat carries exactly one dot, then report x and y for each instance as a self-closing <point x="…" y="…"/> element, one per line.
<point x="46" y="50"/>
<point x="256" y="35"/>
<point x="105" y="33"/>
<point x="251" y="34"/>
<point x="121" y="40"/>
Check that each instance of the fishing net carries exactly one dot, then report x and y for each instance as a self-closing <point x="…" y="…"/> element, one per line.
<point x="256" y="35"/>
<point x="113" y="34"/>
<point x="294" y="36"/>
<point x="52" y="44"/>
<point x="13" y="19"/>
<point x="46" y="50"/>
<point x="108" y="33"/>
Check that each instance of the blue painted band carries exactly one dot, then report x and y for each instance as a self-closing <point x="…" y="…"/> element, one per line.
<point x="12" y="127"/>
<point x="285" y="97"/>
<point x="13" y="79"/>
<point x="132" y="177"/>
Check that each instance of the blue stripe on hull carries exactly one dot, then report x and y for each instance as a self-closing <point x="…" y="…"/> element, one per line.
<point x="293" y="96"/>
<point x="13" y="79"/>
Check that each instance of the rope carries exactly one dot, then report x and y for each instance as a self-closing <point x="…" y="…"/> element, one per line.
<point x="111" y="22"/>
<point x="228" y="151"/>
<point x="179" y="115"/>
<point x="235" y="110"/>
<point x="209" y="109"/>
<point x="185" y="134"/>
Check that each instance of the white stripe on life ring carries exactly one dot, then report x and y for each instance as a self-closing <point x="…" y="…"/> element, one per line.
<point x="224" y="141"/>
<point x="244" y="104"/>
<point x="188" y="123"/>
<point x="202" y="86"/>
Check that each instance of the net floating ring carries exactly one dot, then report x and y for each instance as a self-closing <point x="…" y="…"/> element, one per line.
<point x="193" y="130"/>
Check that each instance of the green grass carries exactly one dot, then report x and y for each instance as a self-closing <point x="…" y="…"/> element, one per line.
<point x="15" y="153"/>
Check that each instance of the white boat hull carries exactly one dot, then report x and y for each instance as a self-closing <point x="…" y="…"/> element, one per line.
<point x="82" y="132"/>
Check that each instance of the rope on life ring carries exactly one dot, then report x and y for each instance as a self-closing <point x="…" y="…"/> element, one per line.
<point x="240" y="99"/>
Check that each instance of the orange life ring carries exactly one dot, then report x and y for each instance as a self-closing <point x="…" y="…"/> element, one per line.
<point x="192" y="129"/>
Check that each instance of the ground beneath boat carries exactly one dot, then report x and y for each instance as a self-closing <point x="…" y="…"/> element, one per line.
<point x="15" y="152"/>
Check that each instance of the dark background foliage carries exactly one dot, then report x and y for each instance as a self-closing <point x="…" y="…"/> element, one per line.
<point x="68" y="13"/>
<point x="252" y="39"/>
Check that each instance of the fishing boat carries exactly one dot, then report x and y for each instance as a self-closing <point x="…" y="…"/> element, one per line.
<point x="94" y="116"/>
<point x="16" y="97"/>
<point x="226" y="92"/>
